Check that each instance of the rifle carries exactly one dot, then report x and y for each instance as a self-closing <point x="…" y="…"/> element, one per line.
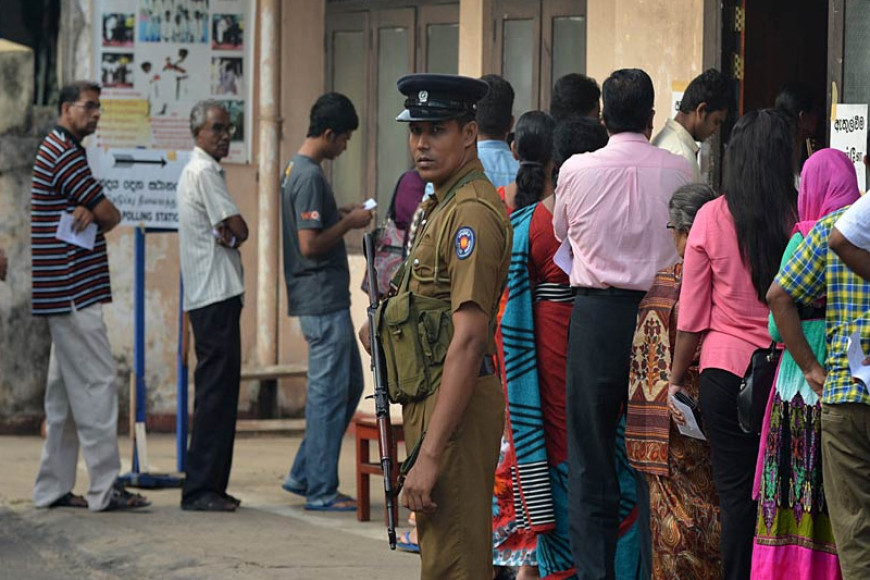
<point x="382" y="403"/>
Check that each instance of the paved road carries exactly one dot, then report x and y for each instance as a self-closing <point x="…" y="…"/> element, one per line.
<point x="272" y="536"/>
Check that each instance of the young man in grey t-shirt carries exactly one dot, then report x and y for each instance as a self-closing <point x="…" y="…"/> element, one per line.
<point x="318" y="278"/>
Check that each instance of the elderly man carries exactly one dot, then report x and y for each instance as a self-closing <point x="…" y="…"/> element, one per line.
<point x="70" y="285"/>
<point x="210" y="231"/>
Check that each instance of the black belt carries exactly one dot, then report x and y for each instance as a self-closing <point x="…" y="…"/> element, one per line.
<point x="486" y="367"/>
<point x="607" y="292"/>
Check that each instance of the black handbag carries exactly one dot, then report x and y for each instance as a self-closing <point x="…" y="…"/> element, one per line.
<point x="755" y="388"/>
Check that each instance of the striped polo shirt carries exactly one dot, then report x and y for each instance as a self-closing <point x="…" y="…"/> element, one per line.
<point x="64" y="275"/>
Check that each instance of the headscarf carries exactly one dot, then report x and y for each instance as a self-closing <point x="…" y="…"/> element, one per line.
<point x="828" y="183"/>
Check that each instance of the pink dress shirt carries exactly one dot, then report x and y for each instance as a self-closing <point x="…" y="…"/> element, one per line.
<point x="612" y="204"/>
<point x="718" y="297"/>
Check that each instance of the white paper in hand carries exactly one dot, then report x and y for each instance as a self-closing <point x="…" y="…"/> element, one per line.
<point x="691" y="428"/>
<point x="370" y="204"/>
<point x="564" y="257"/>
<point x="856" y="356"/>
<point x="84" y="239"/>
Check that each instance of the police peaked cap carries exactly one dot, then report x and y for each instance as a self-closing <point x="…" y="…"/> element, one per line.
<point x="434" y="97"/>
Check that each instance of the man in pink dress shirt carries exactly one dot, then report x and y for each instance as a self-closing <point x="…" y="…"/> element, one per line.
<point x="612" y="206"/>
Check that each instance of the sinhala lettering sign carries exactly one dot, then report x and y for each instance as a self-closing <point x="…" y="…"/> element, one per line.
<point x="142" y="183"/>
<point x="849" y="135"/>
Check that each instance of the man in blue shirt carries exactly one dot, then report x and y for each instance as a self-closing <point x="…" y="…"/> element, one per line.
<point x="495" y="119"/>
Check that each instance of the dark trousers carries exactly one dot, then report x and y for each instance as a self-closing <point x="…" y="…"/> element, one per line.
<point x="217" y="336"/>
<point x="644" y="533"/>
<point x="599" y="347"/>
<point x="733" y="454"/>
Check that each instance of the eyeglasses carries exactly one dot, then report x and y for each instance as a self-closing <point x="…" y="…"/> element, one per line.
<point x="88" y="106"/>
<point x="221" y="128"/>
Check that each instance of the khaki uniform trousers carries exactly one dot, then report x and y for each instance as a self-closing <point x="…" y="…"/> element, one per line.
<point x="456" y="541"/>
<point x="846" y="472"/>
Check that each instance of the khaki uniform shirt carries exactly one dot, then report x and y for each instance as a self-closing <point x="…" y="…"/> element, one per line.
<point x="473" y="253"/>
<point x="473" y="256"/>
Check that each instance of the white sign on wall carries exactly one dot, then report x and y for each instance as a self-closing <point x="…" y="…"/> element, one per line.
<point x="849" y="135"/>
<point x="142" y="183"/>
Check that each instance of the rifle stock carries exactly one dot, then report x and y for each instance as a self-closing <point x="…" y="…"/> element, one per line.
<point x="382" y="403"/>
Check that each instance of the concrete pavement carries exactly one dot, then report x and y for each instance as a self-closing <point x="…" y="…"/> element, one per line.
<point x="271" y="536"/>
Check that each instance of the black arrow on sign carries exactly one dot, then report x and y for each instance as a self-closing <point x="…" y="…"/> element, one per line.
<point x="124" y="160"/>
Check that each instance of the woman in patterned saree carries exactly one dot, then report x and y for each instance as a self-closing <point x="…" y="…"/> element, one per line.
<point x="793" y="537"/>
<point x="530" y="523"/>
<point x="684" y="513"/>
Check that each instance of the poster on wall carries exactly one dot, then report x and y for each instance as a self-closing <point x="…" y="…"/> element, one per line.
<point x="849" y="135"/>
<point x="156" y="58"/>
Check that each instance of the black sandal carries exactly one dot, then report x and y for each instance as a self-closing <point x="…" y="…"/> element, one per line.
<point x="209" y="502"/>
<point x="124" y="500"/>
<point x="70" y="500"/>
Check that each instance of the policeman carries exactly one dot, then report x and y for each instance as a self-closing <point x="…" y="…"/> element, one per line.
<point x="447" y="299"/>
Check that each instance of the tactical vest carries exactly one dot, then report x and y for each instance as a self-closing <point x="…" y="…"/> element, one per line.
<point x="415" y="331"/>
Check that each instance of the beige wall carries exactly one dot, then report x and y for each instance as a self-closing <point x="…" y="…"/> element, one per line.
<point x="663" y="37"/>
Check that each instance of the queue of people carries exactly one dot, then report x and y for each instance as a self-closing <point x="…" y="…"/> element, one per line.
<point x="632" y="286"/>
<point x="560" y="295"/>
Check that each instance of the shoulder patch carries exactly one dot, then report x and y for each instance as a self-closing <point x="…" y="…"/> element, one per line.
<point x="311" y="215"/>
<point x="464" y="242"/>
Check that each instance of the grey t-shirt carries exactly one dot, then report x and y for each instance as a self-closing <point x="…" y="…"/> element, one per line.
<point x="318" y="285"/>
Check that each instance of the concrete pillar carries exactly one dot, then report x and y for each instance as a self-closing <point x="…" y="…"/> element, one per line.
<point x="24" y="339"/>
<point x="269" y="233"/>
<point x="475" y="37"/>
<point x="16" y="78"/>
<point x="75" y="42"/>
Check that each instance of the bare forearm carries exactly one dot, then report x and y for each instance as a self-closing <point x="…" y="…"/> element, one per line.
<point x="238" y="228"/>
<point x="461" y="371"/>
<point x="324" y="240"/>
<point x="684" y="354"/>
<point x="857" y="259"/>
<point x="107" y="217"/>
<point x="788" y="322"/>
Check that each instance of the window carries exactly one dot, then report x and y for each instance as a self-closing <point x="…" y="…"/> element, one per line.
<point x="536" y="42"/>
<point x="368" y="49"/>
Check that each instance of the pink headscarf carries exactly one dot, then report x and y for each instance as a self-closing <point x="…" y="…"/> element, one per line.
<point x="828" y="183"/>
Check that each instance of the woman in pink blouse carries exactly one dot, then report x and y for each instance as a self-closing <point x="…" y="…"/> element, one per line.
<point x="732" y="256"/>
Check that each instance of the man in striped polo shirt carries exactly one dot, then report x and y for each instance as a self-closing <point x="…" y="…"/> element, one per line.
<point x="70" y="286"/>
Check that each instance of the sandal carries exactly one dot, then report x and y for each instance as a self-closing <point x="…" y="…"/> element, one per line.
<point x="407" y="545"/>
<point x="71" y="500"/>
<point x="209" y="502"/>
<point x="341" y="503"/>
<point x="122" y="499"/>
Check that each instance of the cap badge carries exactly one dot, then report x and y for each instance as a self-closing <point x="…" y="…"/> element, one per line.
<point x="423" y="96"/>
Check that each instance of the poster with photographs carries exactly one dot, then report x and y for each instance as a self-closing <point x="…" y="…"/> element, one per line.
<point x="157" y="58"/>
<point x="118" y="29"/>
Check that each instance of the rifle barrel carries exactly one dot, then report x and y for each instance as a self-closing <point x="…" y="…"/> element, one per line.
<point x="382" y="403"/>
